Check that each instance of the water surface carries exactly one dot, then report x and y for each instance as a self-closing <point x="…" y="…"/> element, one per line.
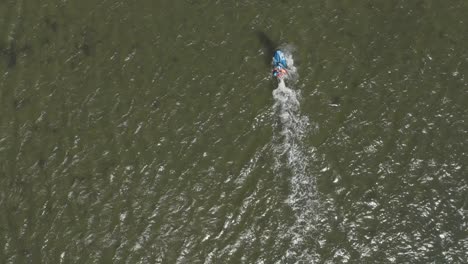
<point x="151" y="132"/>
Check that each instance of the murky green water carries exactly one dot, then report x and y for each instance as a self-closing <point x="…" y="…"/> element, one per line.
<point x="148" y="132"/>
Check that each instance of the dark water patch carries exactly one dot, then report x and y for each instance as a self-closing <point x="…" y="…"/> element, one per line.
<point x="26" y="49"/>
<point x="268" y="45"/>
<point x="35" y="127"/>
<point x="54" y="129"/>
<point x="11" y="56"/>
<point x="41" y="162"/>
<point x="89" y="42"/>
<point x="86" y="49"/>
<point x="51" y="24"/>
<point x="12" y="52"/>
<point x="45" y="41"/>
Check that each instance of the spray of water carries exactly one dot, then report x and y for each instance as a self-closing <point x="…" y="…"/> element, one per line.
<point x="291" y="154"/>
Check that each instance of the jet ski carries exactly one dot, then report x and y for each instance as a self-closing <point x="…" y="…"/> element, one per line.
<point x="280" y="66"/>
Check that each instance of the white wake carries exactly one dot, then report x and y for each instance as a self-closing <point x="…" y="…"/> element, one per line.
<point x="292" y="154"/>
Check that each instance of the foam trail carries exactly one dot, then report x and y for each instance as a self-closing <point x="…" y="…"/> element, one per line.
<point x="291" y="154"/>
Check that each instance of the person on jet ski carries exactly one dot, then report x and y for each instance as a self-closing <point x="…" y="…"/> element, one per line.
<point x="279" y="65"/>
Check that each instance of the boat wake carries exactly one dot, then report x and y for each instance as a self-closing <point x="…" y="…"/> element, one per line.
<point x="292" y="157"/>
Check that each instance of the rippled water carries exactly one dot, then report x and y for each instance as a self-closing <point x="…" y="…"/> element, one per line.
<point x="151" y="132"/>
